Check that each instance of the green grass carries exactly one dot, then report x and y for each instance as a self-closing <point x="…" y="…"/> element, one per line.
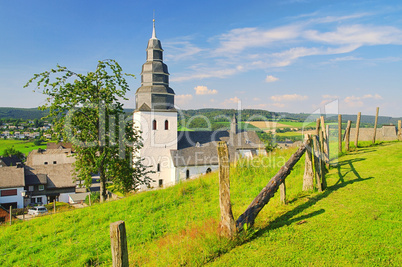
<point x="24" y="146"/>
<point x="356" y="221"/>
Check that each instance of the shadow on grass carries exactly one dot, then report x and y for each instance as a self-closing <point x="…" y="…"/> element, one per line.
<point x="289" y="217"/>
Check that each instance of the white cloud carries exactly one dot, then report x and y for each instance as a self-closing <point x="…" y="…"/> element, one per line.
<point x="358" y="34"/>
<point x="270" y="79"/>
<point x="347" y="58"/>
<point x="288" y="98"/>
<point x="183" y="99"/>
<point x="181" y="50"/>
<point x="376" y="96"/>
<point x="330" y="96"/>
<point x="203" y="90"/>
<point x="242" y="38"/>
<point x="357" y="101"/>
<point x="231" y="101"/>
<point x="208" y="73"/>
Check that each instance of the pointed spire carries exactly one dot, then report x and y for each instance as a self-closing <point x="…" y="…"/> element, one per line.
<point x="153" y="30"/>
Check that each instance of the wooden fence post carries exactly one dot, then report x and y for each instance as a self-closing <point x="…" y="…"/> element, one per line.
<point x="347" y="135"/>
<point x="400" y="130"/>
<point x="324" y="142"/>
<point x="282" y="190"/>
<point x="11" y="214"/>
<point x="227" y="224"/>
<point x="357" y="129"/>
<point x="322" y="156"/>
<point x="308" y="178"/>
<point x="339" y="133"/>
<point x="118" y="242"/>
<point x="54" y="206"/>
<point x="375" y="124"/>
<point x="317" y="162"/>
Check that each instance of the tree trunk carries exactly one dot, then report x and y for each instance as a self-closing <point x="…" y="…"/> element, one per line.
<point x="347" y="135"/>
<point x="375" y="124"/>
<point x="102" y="180"/>
<point x="308" y="178"/>
<point x="357" y="128"/>
<point x="227" y="226"/>
<point x="248" y="217"/>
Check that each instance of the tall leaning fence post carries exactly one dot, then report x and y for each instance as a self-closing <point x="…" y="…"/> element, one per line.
<point x="400" y="130"/>
<point x="357" y="129"/>
<point x="118" y="243"/>
<point x="227" y="225"/>
<point x="339" y="133"/>
<point x="347" y="135"/>
<point x="375" y="124"/>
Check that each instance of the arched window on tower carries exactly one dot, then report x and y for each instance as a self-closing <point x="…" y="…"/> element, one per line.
<point x="166" y="125"/>
<point x="158" y="167"/>
<point x="187" y="174"/>
<point x="154" y="125"/>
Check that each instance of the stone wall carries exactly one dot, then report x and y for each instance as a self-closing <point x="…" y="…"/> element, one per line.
<point x="386" y="133"/>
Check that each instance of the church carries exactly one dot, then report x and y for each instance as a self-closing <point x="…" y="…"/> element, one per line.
<point x="178" y="155"/>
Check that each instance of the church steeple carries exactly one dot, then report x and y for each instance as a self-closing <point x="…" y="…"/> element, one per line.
<point x="154" y="93"/>
<point x="153" y="31"/>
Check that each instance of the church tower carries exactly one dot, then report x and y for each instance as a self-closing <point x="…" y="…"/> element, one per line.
<point x="155" y="115"/>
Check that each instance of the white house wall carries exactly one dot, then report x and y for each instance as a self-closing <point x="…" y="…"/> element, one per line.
<point x="12" y="199"/>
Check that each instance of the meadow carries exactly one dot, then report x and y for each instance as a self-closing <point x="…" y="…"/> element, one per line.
<point x="25" y="146"/>
<point x="355" y="221"/>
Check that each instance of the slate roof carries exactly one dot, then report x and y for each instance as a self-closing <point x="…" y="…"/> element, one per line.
<point x="197" y="148"/>
<point x="11" y="177"/>
<point x="58" y="175"/>
<point x="9" y="161"/>
<point x="35" y="179"/>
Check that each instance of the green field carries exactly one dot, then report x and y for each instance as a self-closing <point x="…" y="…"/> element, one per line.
<point x="24" y="146"/>
<point x="356" y="221"/>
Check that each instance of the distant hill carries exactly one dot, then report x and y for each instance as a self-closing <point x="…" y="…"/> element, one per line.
<point x="22" y="113"/>
<point x="214" y="115"/>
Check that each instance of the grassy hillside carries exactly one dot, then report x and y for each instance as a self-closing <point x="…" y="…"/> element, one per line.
<point x="24" y="146"/>
<point x="356" y="221"/>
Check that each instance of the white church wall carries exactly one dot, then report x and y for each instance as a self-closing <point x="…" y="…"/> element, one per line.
<point x="157" y="144"/>
<point x="194" y="171"/>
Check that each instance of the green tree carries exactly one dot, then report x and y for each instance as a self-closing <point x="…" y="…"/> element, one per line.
<point x="90" y="115"/>
<point x="11" y="151"/>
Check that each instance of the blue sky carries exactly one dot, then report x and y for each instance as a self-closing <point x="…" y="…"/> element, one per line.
<point x="291" y="55"/>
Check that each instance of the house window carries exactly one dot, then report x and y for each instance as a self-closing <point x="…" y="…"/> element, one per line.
<point x="9" y="192"/>
<point x="39" y="200"/>
<point x="41" y="187"/>
<point x="154" y="125"/>
<point x="54" y="162"/>
<point x="45" y="163"/>
<point x="208" y="170"/>
<point x="187" y="174"/>
<point x="166" y="125"/>
<point x="33" y="200"/>
<point x="31" y="188"/>
<point x="160" y="182"/>
<point x="158" y="167"/>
